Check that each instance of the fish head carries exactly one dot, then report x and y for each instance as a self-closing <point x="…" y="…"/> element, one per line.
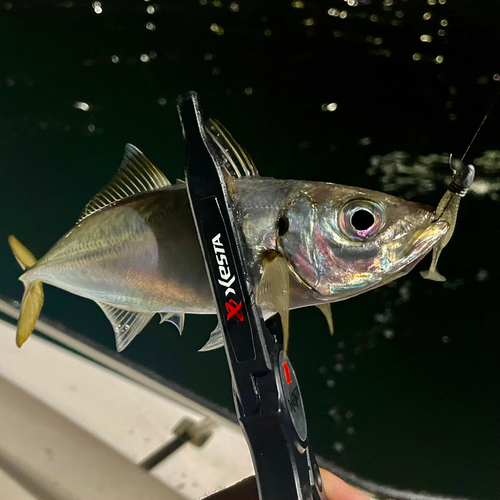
<point x="342" y="241"/>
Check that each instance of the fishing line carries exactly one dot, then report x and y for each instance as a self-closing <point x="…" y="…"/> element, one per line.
<point x="496" y="77"/>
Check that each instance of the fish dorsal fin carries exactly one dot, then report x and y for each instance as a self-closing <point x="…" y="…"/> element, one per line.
<point x="136" y="175"/>
<point x="215" y="341"/>
<point x="176" y="319"/>
<point x="237" y="161"/>
<point x="327" y="311"/>
<point x="126" y="324"/>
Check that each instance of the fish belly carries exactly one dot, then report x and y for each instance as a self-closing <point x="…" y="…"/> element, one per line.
<point x="141" y="254"/>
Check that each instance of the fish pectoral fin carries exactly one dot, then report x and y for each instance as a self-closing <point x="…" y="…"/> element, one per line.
<point x="136" y="175"/>
<point x="327" y="311"/>
<point x="273" y="291"/>
<point x="126" y="324"/>
<point x="215" y="341"/>
<point x="177" y="319"/>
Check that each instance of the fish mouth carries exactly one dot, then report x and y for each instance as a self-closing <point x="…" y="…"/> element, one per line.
<point x="421" y="245"/>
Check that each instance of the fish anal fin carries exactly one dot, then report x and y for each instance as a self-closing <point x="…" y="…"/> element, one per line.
<point x="30" y="310"/>
<point x="177" y="319"/>
<point x="273" y="291"/>
<point x="215" y="341"/>
<point x="126" y="324"/>
<point x="136" y="175"/>
<point x="327" y="311"/>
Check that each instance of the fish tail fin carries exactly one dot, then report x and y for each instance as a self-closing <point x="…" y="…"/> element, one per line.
<point x="33" y="293"/>
<point x="433" y="274"/>
<point x="30" y="310"/>
<point x="23" y="256"/>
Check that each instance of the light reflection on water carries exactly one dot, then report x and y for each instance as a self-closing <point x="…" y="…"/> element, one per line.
<point x="409" y="177"/>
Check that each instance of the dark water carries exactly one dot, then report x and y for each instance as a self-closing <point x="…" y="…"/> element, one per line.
<point x="408" y="390"/>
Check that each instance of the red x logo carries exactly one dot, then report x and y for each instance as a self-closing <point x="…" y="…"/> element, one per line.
<point x="233" y="309"/>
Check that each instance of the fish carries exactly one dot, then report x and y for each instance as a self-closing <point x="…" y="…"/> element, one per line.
<point x="135" y="250"/>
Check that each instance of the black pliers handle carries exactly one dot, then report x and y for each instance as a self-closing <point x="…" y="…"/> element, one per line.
<point x="266" y="393"/>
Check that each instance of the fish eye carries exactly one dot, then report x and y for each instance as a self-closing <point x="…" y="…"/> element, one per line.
<point x="361" y="219"/>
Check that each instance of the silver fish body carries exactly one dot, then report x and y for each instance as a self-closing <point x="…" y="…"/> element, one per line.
<point x="143" y="254"/>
